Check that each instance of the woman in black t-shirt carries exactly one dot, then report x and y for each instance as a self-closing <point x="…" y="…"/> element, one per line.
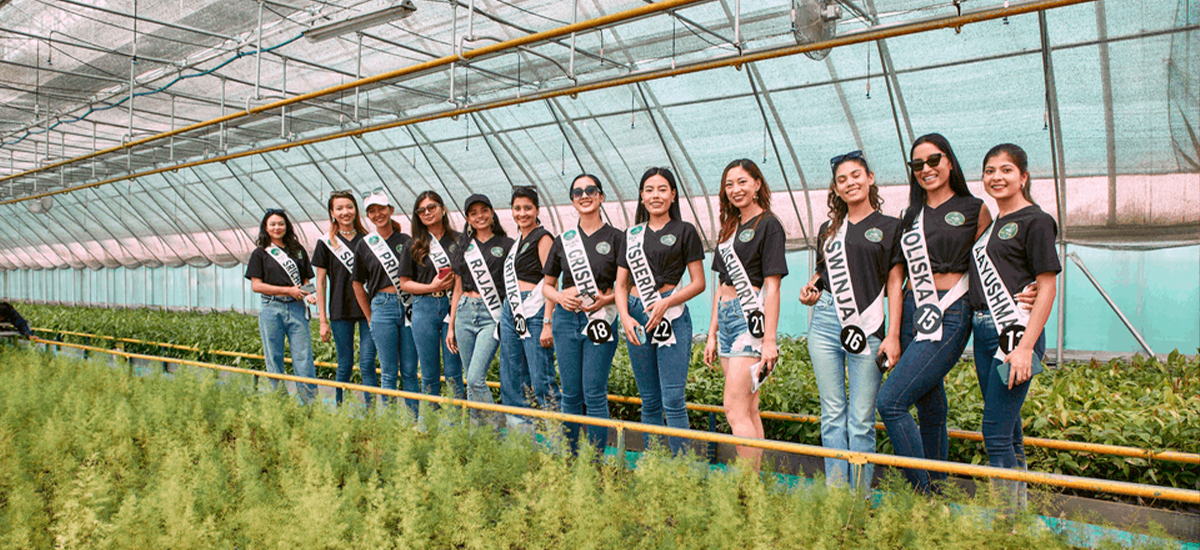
<point x="585" y="257"/>
<point x="1018" y="249"/>
<point x="751" y="262"/>
<point x="937" y="229"/>
<point x="657" y="252"/>
<point x="478" y="294"/>
<point x="277" y="269"/>
<point x="334" y="259"/>
<point x="425" y="273"/>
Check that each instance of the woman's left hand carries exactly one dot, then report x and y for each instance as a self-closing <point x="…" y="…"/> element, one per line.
<point x="451" y="343"/>
<point x="656" y="313"/>
<point x="770" y="355"/>
<point x="311" y="298"/>
<point x="1020" y="363"/>
<point x="547" y="337"/>
<point x="600" y="301"/>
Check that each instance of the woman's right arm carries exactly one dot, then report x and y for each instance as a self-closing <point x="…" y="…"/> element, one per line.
<point x="257" y="285"/>
<point x="627" y="322"/>
<point x="710" y="345"/>
<point x="360" y="295"/>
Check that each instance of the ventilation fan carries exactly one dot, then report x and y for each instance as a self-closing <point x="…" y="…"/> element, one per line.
<point x="815" y="21"/>
<point x="42" y="205"/>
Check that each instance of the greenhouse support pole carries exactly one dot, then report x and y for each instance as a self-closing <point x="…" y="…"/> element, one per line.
<point x="1142" y="341"/>
<point x="1059" y="167"/>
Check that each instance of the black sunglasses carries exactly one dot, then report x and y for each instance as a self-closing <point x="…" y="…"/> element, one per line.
<point x="342" y="194"/>
<point x="591" y="191"/>
<point x="274" y="211"/>
<point x="932" y="160"/>
<point x="852" y="155"/>
<point x="431" y="208"/>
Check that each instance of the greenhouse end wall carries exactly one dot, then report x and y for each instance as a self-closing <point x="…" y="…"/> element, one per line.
<point x="1157" y="290"/>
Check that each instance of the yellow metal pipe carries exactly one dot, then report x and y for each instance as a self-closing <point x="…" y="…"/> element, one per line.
<point x="1055" y="444"/>
<point x="1057" y="480"/>
<point x="566" y="30"/>
<point x="870" y="35"/>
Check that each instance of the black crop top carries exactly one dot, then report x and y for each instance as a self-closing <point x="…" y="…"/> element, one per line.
<point x="528" y="263"/>
<point x="872" y="248"/>
<point x="669" y="251"/>
<point x="342" y="304"/>
<point x="603" y="248"/>
<point x="1021" y="247"/>
<point x="425" y="272"/>
<point x="368" y="270"/>
<point x="494" y="251"/>
<point x="761" y="245"/>
<point x="949" y="233"/>
<point x="262" y="266"/>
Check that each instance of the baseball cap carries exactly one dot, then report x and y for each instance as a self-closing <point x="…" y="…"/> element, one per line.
<point x="477" y="197"/>
<point x="375" y="198"/>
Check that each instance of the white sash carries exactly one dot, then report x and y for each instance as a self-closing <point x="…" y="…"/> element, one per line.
<point x="855" y="327"/>
<point x="521" y="311"/>
<point x="441" y="260"/>
<point x="387" y="258"/>
<point x="928" y="317"/>
<point x="1009" y="318"/>
<point x="599" y="328"/>
<point x="484" y="283"/>
<point x="752" y="302"/>
<point x="342" y="253"/>
<point x="643" y="279"/>
<point x="287" y="263"/>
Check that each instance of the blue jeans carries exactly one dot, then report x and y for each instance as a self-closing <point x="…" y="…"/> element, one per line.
<point x="583" y="368"/>
<point x="343" y="340"/>
<point x="918" y="378"/>
<point x="1002" y="434"/>
<point x="661" y="373"/>
<point x="396" y="347"/>
<point x="277" y="319"/>
<point x="429" y="330"/>
<point x="847" y="418"/>
<point x="473" y="331"/>
<point x="526" y="368"/>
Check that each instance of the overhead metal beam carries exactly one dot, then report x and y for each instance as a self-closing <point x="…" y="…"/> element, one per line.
<point x="539" y="183"/>
<point x="556" y="109"/>
<point x="762" y="95"/>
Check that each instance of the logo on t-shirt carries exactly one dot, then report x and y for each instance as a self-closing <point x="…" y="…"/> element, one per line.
<point x="874" y="235"/>
<point x="497" y="251"/>
<point x="667" y="239"/>
<point x="603" y="247"/>
<point x="955" y="219"/>
<point x="454" y="247"/>
<point x="372" y="240"/>
<point x="1008" y="231"/>
<point x="524" y="247"/>
<point x="399" y="247"/>
<point x="746" y="235"/>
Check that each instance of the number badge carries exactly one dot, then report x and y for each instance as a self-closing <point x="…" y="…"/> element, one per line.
<point x="1010" y="337"/>
<point x="663" y="331"/>
<point x="929" y="319"/>
<point x="519" y="324"/>
<point x="758" y="324"/>
<point x="854" y="340"/>
<point x="599" y="331"/>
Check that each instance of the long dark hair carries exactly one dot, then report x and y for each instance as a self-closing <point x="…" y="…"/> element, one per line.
<point x="291" y="244"/>
<point x="420" y="233"/>
<point x="917" y="194"/>
<point x="358" y="224"/>
<point x="731" y="215"/>
<point x="468" y="233"/>
<point x="1019" y="158"/>
<point x="838" y="207"/>
<point x="642" y="215"/>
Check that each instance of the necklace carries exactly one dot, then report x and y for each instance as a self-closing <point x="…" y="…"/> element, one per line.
<point x="347" y="234"/>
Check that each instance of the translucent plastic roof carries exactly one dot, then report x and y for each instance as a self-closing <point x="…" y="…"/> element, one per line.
<point x="1125" y="105"/>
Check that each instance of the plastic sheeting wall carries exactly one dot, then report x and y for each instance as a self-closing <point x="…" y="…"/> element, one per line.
<point x="1157" y="290"/>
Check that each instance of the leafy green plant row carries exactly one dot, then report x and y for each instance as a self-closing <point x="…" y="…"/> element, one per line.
<point x="91" y="457"/>
<point x="1143" y="403"/>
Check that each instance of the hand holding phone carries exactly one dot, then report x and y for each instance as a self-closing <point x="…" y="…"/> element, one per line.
<point x="443" y="273"/>
<point x="881" y="362"/>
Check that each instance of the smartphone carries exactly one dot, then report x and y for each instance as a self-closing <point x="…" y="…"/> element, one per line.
<point x="1035" y="368"/>
<point x="640" y="333"/>
<point x="443" y="273"/>
<point x="309" y="289"/>
<point x="881" y="362"/>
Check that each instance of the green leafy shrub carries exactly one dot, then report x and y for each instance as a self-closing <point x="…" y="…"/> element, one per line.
<point x="91" y="457"/>
<point x="1143" y="403"/>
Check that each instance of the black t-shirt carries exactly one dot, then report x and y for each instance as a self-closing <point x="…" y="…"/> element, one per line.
<point x="342" y="304"/>
<point x="1021" y="247"/>
<point x="270" y="272"/>
<point x="603" y="248"/>
<point x="669" y="251"/>
<point x="761" y="245"/>
<point x="950" y="232"/>
<point x="368" y="270"/>
<point x="528" y="263"/>
<point x="871" y="251"/>
<point x="494" y="252"/>
<point x="425" y="271"/>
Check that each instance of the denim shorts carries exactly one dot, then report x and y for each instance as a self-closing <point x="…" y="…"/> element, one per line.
<point x="731" y="327"/>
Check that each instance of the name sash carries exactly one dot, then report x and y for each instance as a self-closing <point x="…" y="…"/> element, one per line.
<point x="855" y="326"/>
<point x="287" y="263"/>
<point x="643" y="279"/>
<point x="521" y="310"/>
<point x="441" y="261"/>
<point x="391" y="265"/>
<point x="484" y="283"/>
<point x="1009" y="318"/>
<point x="342" y="253"/>
<point x="752" y="302"/>
<point x="928" y="317"/>
<point x="599" y="328"/>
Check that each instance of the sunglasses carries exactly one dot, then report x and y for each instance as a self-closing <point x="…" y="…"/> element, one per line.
<point x="591" y="191"/>
<point x="852" y="155"/>
<point x="275" y="211"/>
<point x="430" y="208"/>
<point x="364" y="194"/>
<point x="932" y="160"/>
<point x="342" y="194"/>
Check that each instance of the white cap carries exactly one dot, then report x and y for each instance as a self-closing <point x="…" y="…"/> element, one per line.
<point x="375" y="198"/>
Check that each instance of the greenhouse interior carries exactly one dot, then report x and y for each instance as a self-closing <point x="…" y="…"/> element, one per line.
<point x="142" y="141"/>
